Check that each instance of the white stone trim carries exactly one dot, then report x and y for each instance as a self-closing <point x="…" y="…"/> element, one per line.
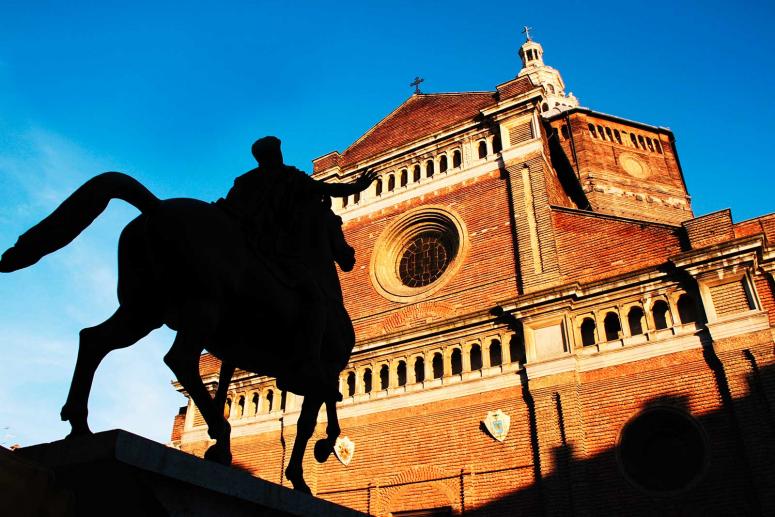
<point x="440" y="180"/>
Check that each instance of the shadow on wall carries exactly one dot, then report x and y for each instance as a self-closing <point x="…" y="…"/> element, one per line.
<point x="667" y="462"/>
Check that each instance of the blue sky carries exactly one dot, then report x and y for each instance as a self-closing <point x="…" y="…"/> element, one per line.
<point x="175" y="93"/>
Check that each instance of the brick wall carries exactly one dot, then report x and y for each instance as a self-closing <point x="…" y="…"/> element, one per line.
<point x="730" y="298"/>
<point x="592" y="247"/>
<point x="487" y="274"/>
<point x="438" y="454"/>
<point x="653" y="190"/>
<point x="709" y="229"/>
<point x="760" y="225"/>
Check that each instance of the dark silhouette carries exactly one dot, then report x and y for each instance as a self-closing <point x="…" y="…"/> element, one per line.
<point x="235" y="277"/>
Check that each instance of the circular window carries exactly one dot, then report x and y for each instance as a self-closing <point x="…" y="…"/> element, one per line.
<point x="425" y="258"/>
<point x="418" y="253"/>
<point x="662" y="450"/>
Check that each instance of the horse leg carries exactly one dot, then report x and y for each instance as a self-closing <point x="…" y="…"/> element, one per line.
<point x="183" y="360"/>
<point x="305" y="427"/>
<point x="224" y="378"/>
<point x="325" y="446"/>
<point x="121" y="330"/>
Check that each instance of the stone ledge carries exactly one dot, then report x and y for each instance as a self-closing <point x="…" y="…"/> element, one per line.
<point x="119" y="473"/>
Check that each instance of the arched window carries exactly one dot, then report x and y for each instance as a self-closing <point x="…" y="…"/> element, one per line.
<point x="443" y="163"/>
<point x="241" y="407"/>
<point x="609" y="134"/>
<point x="634" y="140"/>
<point x="618" y="136"/>
<point x="350" y="384"/>
<point x="269" y="401"/>
<point x="660" y="311"/>
<point x="482" y="149"/>
<point x="650" y="143"/>
<point x="404" y="177"/>
<point x="592" y="130"/>
<point x="401" y="373"/>
<point x="283" y="400"/>
<point x="456" y="361"/>
<point x="658" y="146"/>
<point x="496" y="357"/>
<point x="227" y="408"/>
<point x="476" y="358"/>
<point x="254" y="405"/>
<point x="391" y="183"/>
<point x="550" y="87"/>
<point x="601" y="131"/>
<point x="438" y="366"/>
<point x="635" y="320"/>
<point x="367" y="380"/>
<point x="588" y="332"/>
<point x="612" y="326"/>
<point x="429" y="169"/>
<point x="419" y="369"/>
<point x="416" y="173"/>
<point x="378" y="188"/>
<point x="384" y="377"/>
<point x="457" y="158"/>
<point x="687" y="309"/>
<point x="641" y="142"/>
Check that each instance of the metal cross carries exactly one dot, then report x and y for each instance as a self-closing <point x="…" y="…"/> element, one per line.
<point x="416" y="84"/>
<point x="526" y="31"/>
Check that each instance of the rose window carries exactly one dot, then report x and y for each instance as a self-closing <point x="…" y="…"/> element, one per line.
<point x="424" y="259"/>
<point x="418" y="253"/>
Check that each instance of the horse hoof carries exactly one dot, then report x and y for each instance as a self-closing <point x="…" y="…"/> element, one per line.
<point x="302" y="487"/>
<point x="297" y="480"/>
<point x="323" y="449"/>
<point x="218" y="455"/>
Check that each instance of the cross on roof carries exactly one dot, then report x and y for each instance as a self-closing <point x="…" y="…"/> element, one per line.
<point x="526" y="31"/>
<point x="416" y="84"/>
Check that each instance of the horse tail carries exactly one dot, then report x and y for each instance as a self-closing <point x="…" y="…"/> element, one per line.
<point x="73" y="216"/>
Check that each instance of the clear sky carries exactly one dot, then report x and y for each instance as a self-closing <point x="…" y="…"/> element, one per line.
<point x="175" y="93"/>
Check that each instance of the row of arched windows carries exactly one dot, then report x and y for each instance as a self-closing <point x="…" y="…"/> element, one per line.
<point x="242" y="406"/>
<point x="620" y="137"/>
<point x="390" y="181"/>
<point x="661" y="318"/>
<point x="416" y="370"/>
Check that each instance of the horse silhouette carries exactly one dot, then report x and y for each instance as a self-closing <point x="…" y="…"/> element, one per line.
<point x="187" y="264"/>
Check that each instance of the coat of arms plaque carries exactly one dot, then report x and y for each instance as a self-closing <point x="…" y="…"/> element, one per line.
<point x="497" y="423"/>
<point x="344" y="448"/>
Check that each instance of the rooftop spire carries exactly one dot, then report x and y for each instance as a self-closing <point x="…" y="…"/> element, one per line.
<point x="532" y="55"/>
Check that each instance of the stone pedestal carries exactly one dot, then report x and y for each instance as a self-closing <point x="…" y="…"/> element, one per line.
<point x="119" y="473"/>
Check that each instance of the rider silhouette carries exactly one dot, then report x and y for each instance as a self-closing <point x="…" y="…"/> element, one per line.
<point x="266" y="201"/>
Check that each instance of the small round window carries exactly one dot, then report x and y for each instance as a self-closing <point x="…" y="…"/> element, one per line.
<point x="662" y="450"/>
<point x="418" y="253"/>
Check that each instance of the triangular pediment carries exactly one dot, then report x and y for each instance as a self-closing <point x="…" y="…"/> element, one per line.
<point x="419" y="116"/>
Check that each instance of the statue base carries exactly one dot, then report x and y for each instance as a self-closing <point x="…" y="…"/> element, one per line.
<point x="119" y="473"/>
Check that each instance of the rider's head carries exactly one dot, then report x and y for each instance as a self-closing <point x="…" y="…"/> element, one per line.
<point x="267" y="151"/>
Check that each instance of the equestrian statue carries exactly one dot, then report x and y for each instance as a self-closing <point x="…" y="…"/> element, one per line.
<point x="250" y="278"/>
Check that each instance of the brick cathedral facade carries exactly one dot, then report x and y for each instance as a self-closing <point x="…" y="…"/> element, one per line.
<point x="521" y="253"/>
